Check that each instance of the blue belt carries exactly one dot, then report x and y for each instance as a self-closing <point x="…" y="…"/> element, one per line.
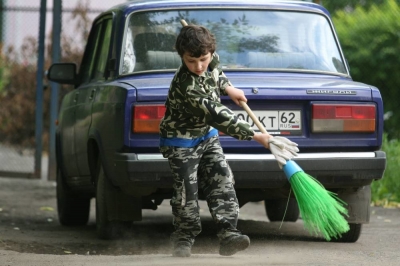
<point x="187" y="143"/>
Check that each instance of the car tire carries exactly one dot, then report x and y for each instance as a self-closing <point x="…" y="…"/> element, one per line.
<point x="106" y="229"/>
<point x="73" y="209"/>
<point x="350" y="236"/>
<point x="276" y="208"/>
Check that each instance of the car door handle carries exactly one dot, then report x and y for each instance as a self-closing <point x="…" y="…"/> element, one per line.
<point x="76" y="97"/>
<point x="92" y="94"/>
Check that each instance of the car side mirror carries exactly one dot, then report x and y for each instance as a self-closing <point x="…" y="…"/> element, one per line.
<point x="64" y="73"/>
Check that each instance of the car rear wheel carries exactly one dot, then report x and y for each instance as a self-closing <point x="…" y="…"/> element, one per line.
<point x="350" y="236"/>
<point x="73" y="209"/>
<point x="106" y="229"/>
<point x="276" y="208"/>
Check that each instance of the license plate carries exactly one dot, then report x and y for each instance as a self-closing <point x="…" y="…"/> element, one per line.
<point x="275" y="122"/>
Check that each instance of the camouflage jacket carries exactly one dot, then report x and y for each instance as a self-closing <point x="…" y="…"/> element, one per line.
<point x="193" y="108"/>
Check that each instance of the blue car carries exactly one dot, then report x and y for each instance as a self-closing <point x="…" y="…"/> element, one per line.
<point x="285" y="56"/>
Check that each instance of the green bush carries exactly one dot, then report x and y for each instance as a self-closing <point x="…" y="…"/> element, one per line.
<point x="387" y="189"/>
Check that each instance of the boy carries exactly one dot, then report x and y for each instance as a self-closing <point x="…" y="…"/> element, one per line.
<point x="189" y="139"/>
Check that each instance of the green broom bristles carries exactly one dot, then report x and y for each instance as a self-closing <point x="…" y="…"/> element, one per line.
<point x="321" y="210"/>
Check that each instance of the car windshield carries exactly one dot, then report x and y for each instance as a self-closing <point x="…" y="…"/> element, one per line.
<point x="246" y="39"/>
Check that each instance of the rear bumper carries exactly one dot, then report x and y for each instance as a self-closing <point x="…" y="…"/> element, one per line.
<point x="333" y="170"/>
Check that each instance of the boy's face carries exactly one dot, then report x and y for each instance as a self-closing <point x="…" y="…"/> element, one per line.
<point x="197" y="65"/>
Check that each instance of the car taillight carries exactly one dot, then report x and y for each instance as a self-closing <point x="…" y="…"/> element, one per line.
<point x="146" y="118"/>
<point x="343" y="118"/>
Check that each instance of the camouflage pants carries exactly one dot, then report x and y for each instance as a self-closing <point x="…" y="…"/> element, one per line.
<point x="202" y="166"/>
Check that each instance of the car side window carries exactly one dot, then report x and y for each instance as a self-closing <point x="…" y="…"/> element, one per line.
<point x="102" y="56"/>
<point x="129" y="61"/>
<point x="96" y="53"/>
<point x="88" y="59"/>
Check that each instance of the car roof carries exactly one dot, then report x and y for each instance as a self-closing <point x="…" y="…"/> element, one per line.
<point x="135" y="5"/>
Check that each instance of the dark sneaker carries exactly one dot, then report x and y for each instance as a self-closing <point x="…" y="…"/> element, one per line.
<point x="233" y="244"/>
<point x="182" y="249"/>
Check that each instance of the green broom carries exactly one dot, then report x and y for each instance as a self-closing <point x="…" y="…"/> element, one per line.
<point x="321" y="210"/>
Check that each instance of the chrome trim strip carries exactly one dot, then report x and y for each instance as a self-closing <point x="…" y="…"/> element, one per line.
<point x="332" y="155"/>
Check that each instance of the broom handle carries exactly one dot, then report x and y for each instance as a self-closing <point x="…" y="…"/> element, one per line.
<point x="242" y="103"/>
<point x="184" y="23"/>
<point x="253" y="117"/>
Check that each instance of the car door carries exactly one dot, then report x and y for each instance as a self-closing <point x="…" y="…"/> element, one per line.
<point x="66" y="134"/>
<point x="92" y="74"/>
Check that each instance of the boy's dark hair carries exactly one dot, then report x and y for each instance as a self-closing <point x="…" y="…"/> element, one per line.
<point x="196" y="40"/>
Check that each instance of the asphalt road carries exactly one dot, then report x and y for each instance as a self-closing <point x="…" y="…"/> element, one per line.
<point x="31" y="235"/>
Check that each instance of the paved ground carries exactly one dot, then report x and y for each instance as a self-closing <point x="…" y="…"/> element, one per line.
<point x="30" y="235"/>
<point x="20" y="163"/>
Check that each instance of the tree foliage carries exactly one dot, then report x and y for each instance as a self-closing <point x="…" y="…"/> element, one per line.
<point x="349" y="5"/>
<point x="18" y="82"/>
<point x="370" y="39"/>
<point x="4" y="73"/>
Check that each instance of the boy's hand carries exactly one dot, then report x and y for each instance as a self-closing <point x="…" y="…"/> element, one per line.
<point x="283" y="149"/>
<point x="285" y="144"/>
<point x="235" y="94"/>
<point x="263" y="139"/>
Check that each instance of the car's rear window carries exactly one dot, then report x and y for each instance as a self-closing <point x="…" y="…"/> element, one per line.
<point x="246" y="39"/>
